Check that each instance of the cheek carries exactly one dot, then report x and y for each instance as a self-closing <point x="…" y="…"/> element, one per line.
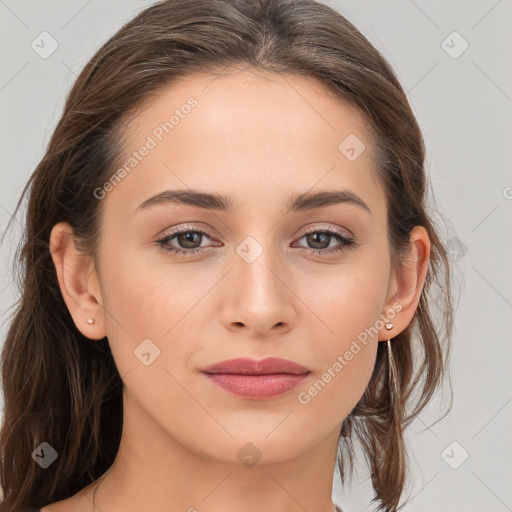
<point x="139" y="309"/>
<point x="346" y="306"/>
<point x="146" y="298"/>
<point x="348" y="360"/>
<point x="344" y="301"/>
<point x="337" y="390"/>
<point x="149" y="300"/>
<point x="151" y="338"/>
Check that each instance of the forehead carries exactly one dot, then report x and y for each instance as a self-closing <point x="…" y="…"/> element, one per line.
<point x="246" y="133"/>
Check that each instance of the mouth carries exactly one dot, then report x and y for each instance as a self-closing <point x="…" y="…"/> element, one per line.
<point x="257" y="380"/>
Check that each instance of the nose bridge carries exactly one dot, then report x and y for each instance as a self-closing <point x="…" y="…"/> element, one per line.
<point x="256" y="265"/>
<point x="256" y="293"/>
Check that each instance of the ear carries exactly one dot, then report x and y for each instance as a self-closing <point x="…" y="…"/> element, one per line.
<point x="78" y="281"/>
<point x="406" y="286"/>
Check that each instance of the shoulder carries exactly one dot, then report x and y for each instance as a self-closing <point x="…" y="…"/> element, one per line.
<point x="79" y="502"/>
<point x="58" y="506"/>
<point x="74" y="504"/>
<point x="61" y="506"/>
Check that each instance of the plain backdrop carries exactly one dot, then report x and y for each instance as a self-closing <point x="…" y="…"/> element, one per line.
<point x="454" y="60"/>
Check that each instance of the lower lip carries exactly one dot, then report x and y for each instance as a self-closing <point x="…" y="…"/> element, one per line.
<point x="257" y="387"/>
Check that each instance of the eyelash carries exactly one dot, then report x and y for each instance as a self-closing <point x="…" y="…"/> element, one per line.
<point x="347" y="242"/>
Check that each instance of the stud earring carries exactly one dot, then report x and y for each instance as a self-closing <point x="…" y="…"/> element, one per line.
<point x="390" y="326"/>
<point x="90" y="320"/>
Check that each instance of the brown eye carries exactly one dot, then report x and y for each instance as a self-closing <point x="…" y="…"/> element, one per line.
<point x="187" y="241"/>
<point x="319" y="241"/>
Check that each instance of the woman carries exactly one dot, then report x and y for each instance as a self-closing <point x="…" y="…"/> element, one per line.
<point x="229" y="266"/>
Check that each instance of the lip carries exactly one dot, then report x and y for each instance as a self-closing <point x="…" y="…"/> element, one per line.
<point x="257" y="380"/>
<point x="247" y="366"/>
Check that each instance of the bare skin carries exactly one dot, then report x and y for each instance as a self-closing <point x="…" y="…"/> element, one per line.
<point x="257" y="139"/>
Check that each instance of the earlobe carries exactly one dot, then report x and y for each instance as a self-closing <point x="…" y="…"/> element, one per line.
<point x="408" y="283"/>
<point x="74" y="273"/>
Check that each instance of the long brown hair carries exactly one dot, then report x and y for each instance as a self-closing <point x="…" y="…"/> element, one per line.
<point x="64" y="389"/>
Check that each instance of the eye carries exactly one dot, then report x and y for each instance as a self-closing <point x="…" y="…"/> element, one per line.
<point x="190" y="241"/>
<point x="187" y="237"/>
<point x="321" y="239"/>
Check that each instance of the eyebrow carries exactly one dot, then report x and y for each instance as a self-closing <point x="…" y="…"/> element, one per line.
<point x="296" y="202"/>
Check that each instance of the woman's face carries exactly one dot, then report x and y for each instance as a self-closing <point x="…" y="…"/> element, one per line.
<point x="255" y="277"/>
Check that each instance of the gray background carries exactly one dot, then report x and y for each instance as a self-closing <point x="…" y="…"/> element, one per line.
<point x="463" y="105"/>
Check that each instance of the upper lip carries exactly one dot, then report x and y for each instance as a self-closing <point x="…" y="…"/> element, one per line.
<point x="246" y="366"/>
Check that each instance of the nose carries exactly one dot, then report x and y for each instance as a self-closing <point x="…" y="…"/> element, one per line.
<point x="258" y="293"/>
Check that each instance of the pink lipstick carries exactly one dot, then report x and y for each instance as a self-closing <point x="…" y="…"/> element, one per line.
<point x="256" y="380"/>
